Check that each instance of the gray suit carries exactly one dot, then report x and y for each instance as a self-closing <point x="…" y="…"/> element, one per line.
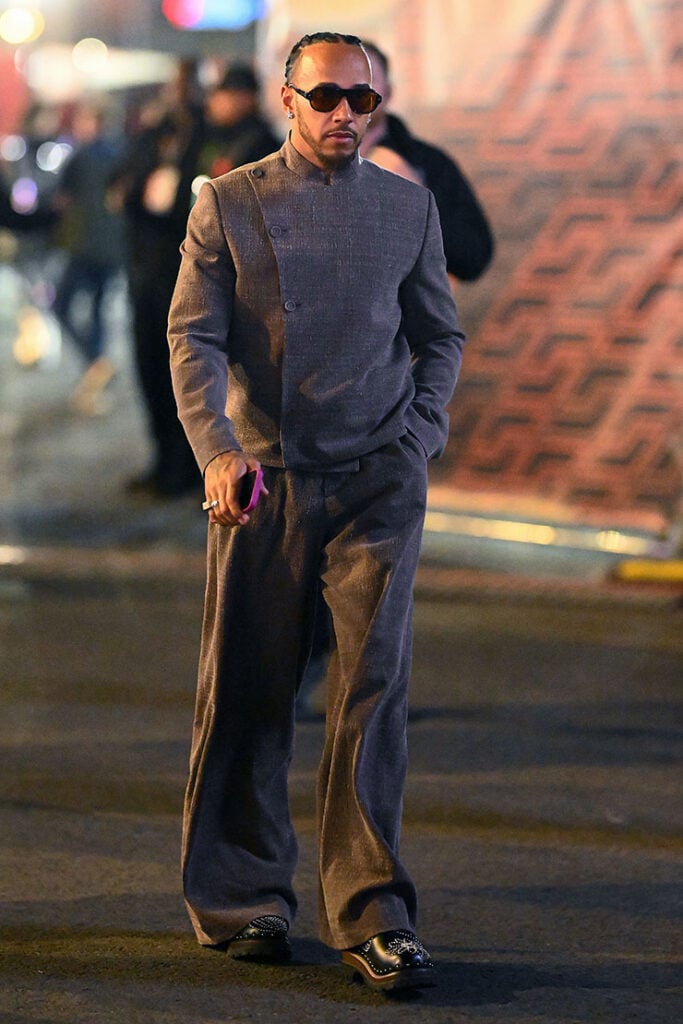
<point x="312" y="327"/>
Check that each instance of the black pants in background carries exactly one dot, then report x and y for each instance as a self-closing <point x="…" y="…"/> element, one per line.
<point x="175" y="470"/>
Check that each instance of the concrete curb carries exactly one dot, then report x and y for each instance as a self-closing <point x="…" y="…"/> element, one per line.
<point x="173" y="566"/>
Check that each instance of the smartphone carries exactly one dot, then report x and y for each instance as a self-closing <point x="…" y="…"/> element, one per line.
<point x="250" y="489"/>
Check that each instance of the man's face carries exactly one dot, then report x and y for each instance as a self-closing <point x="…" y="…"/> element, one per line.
<point x="328" y="140"/>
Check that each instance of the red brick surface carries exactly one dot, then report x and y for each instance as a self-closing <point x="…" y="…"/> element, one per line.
<point x="572" y="386"/>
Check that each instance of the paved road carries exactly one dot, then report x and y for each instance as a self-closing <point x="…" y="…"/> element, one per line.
<point x="543" y="820"/>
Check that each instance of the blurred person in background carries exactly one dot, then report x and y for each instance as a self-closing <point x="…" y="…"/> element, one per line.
<point x="185" y="137"/>
<point x="467" y="236"/>
<point x="91" y="234"/>
<point x="36" y="211"/>
<point x="152" y="186"/>
<point x="236" y="131"/>
<point x="27" y="200"/>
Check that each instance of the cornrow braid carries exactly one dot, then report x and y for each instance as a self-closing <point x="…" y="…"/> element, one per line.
<point x="318" y="37"/>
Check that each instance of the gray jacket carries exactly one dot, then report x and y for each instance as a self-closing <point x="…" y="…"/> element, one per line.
<point x="312" y="320"/>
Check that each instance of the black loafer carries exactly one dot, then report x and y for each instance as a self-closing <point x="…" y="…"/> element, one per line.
<point x="392" y="960"/>
<point x="264" y="938"/>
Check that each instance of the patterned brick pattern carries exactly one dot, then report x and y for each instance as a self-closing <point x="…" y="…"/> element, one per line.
<point x="572" y="390"/>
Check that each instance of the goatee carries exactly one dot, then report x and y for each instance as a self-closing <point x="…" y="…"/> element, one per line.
<point x="337" y="163"/>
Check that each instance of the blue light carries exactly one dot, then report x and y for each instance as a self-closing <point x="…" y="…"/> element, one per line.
<point x="212" y="14"/>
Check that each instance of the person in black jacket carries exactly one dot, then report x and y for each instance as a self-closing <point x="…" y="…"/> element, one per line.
<point x="235" y="131"/>
<point x="468" y="241"/>
<point x="152" y="186"/>
<point x="193" y="138"/>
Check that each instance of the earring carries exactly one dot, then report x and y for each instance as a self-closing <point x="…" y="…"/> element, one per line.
<point x="290" y="115"/>
<point x="369" y="118"/>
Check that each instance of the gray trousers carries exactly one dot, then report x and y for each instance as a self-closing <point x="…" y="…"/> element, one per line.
<point x="359" y="534"/>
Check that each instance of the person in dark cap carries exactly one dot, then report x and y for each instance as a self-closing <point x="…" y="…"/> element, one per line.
<point x="236" y="131"/>
<point x="188" y="141"/>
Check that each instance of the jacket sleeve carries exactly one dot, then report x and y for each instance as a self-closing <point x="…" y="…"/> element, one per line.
<point x="467" y="238"/>
<point x="431" y="325"/>
<point x="198" y="328"/>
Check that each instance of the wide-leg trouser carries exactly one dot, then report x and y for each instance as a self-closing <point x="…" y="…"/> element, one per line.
<point x="359" y="533"/>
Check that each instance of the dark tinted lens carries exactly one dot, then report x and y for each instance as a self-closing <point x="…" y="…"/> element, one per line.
<point x="325" y="98"/>
<point x="362" y="101"/>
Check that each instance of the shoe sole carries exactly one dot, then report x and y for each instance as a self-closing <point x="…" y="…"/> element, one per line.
<point x="409" y="977"/>
<point x="276" y="951"/>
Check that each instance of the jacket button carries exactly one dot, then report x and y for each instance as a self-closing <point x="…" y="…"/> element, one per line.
<point x="276" y="231"/>
<point x="290" y="305"/>
<point x="257" y="172"/>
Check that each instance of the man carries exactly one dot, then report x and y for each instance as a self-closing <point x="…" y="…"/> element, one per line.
<point x="153" y="188"/>
<point x="91" y="235"/>
<point x="313" y="294"/>
<point x="468" y="242"/>
<point x="236" y="133"/>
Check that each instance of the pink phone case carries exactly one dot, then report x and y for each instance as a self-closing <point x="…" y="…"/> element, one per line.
<point x="250" y="489"/>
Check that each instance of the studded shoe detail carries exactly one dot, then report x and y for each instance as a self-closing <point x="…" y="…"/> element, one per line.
<point x="264" y="938"/>
<point x="392" y="960"/>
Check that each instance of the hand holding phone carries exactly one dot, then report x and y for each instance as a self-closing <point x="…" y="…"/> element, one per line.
<point x="250" y="489"/>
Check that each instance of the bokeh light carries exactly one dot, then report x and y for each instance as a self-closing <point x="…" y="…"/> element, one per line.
<point x="37" y="338"/>
<point x="51" y="155"/>
<point x="13" y="148"/>
<point x="212" y="14"/>
<point x="24" y="195"/>
<point x="20" y="25"/>
<point x="197" y="183"/>
<point x="90" y="55"/>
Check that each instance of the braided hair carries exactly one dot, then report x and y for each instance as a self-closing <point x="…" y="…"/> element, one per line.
<point x="320" y="37"/>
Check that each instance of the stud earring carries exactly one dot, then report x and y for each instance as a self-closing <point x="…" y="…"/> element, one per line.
<point x="290" y="115"/>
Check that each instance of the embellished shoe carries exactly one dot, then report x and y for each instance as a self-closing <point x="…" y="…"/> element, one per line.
<point x="264" y="938"/>
<point x="392" y="960"/>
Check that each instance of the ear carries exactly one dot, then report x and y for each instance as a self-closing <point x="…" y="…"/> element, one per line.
<point x="287" y="100"/>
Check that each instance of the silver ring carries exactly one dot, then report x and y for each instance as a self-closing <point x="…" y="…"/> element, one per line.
<point x="209" y="504"/>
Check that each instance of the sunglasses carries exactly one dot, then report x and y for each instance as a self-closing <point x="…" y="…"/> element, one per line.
<point x="325" y="98"/>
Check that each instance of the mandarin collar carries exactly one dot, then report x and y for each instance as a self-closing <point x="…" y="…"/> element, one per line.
<point x="305" y="169"/>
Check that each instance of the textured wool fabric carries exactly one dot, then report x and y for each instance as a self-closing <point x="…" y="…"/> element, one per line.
<point x="359" y="533"/>
<point x="321" y="306"/>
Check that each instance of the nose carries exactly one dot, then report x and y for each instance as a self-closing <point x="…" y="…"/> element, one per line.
<point x="343" y="112"/>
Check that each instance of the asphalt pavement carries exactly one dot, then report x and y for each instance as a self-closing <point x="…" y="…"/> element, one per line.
<point x="543" y="814"/>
